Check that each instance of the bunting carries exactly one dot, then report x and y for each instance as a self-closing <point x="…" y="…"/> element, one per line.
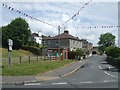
<point x="82" y="27"/>
<point x="26" y="15"/>
<point x="76" y="14"/>
<point x="95" y="27"/>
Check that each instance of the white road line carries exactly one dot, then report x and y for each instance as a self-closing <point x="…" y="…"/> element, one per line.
<point x="87" y="82"/>
<point x="110" y="81"/>
<point x="110" y="74"/>
<point x="59" y="83"/>
<point x="100" y="67"/>
<point x="32" y="84"/>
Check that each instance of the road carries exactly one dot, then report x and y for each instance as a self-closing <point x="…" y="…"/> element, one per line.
<point x="96" y="73"/>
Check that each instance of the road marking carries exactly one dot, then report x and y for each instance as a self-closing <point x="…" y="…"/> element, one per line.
<point x="59" y="83"/>
<point x="100" y="67"/>
<point x="110" y="81"/>
<point x="110" y="74"/>
<point x="32" y="84"/>
<point x="87" y="82"/>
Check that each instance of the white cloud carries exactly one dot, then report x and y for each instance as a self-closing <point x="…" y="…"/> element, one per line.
<point x="57" y="13"/>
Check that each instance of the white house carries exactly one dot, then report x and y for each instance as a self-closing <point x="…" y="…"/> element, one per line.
<point x="37" y="37"/>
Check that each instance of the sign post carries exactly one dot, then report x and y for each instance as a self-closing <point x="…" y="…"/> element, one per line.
<point x="10" y="44"/>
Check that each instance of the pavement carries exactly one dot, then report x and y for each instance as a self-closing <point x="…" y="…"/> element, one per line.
<point x="50" y="75"/>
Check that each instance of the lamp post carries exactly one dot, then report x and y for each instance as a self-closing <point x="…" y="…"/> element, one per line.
<point x="59" y="41"/>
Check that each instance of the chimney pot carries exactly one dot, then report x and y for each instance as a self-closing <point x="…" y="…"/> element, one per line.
<point x="67" y="32"/>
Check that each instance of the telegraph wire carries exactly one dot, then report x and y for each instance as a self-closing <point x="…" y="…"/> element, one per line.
<point x="76" y="14"/>
<point x="27" y="15"/>
<point x="95" y="27"/>
<point x="82" y="27"/>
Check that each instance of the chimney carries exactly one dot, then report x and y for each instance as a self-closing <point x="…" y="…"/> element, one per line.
<point x="67" y="32"/>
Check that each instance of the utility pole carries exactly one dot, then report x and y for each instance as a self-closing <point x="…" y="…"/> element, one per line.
<point x="59" y="42"/>
<point x="118" y="24"/>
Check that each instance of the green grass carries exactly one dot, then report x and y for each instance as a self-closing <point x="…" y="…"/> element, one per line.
<point x="32" y="68"/>
<point x="25" y="68"/>
<point x="15" y="53"/>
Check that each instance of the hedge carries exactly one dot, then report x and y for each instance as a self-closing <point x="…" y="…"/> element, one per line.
<point x="34" y="50"/>
<point x="75" y="54"/>
<point x="113" y="55"/>
<point x="113" y="61"/>
<point x="113" y="52"/>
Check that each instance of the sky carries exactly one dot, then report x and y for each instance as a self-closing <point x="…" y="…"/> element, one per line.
<point x="56" y="13"/>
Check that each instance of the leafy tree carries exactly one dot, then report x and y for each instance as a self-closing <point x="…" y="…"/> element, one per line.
<point x="106" y="40"/>
<point x="18" y="30"/>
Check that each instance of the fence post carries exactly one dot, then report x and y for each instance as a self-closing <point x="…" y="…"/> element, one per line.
<point x="37" y="58"/>
<point x="29" y="59"/>
<point x="20" y="59"/>
<point x="44" y="58"/>
<point x="50" y="57"/>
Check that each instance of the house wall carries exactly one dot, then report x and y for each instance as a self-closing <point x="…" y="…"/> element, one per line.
<point x="74" y="44"/>
<point x="38" y="40"/>
<point x="64" y="43"/>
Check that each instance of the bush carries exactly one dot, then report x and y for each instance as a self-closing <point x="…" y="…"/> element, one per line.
<point x="113" y="61"/>
<point x="75" y="54"/>
<point x="113" y="55"/>
<point x="34" y="50"/>
<point x="33" y="43"/>
<point x="113" y="52"/>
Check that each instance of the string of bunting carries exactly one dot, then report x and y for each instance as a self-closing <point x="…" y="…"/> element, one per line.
<point x="87" y="27"/>
<point x="26" y="15"/>
<point x="95" y="27"/>
<point x="78" y="12"/>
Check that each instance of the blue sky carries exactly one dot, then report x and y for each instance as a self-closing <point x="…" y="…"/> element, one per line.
<point x="56" y="13"/>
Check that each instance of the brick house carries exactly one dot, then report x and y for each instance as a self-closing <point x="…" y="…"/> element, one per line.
<point x="67" y="43"/>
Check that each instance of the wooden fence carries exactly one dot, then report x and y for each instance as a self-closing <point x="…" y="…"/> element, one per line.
<point x="27" y="59"/>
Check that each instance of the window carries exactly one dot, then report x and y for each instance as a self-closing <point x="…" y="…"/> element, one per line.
<point x="56" y="42"/>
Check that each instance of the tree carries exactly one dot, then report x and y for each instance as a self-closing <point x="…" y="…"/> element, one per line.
<point x="18" y="30"/>
<point x="106" y="40"/>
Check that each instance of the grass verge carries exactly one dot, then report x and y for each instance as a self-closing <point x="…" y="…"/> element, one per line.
<point x="32" y="68"/>
<point x="15" y="53"/>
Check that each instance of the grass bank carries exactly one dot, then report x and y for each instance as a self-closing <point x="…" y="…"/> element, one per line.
<point x="32" y="68"/>
<point x="15" y="53"/>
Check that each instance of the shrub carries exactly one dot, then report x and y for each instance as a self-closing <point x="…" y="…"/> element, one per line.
<point x="75" y="54"/>
<point x="113" y="61"/>
<point x="34" y="50"/>
<point x="113" y="52"/>
<point x="113" y="55"/>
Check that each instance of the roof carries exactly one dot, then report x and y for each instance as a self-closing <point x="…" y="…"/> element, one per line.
<point x="35" y="34"/>
<point x="46" y="37"/>
<point x="64" y="35"/>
